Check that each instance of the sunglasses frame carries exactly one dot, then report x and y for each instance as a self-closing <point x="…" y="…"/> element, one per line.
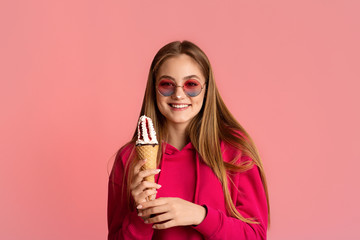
<point x="202" y="86"/>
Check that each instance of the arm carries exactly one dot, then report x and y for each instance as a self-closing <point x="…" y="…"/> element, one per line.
<point x="122" y="222"/>
<point x="250" y="202"/>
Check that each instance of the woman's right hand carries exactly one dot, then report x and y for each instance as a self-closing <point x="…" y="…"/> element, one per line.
<point x="139" y="188"/>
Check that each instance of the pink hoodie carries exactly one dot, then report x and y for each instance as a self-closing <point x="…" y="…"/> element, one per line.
<point x="184" y="175"/>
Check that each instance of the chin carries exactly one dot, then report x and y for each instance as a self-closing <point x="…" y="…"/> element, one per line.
<point x="179" y="120"/>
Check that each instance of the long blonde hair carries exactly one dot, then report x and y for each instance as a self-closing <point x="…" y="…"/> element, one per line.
<point x="213" y="115"/>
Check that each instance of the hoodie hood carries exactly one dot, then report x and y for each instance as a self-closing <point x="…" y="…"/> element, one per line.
<point x="170" y="153"/>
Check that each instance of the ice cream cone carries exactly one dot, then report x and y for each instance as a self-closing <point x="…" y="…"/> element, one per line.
<point x="148" y="152"/>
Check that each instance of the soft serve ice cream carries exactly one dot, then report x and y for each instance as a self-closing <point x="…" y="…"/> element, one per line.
<point x="146" y="131"/>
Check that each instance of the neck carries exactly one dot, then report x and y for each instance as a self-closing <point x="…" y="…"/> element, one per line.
<point x="177" y="135"/>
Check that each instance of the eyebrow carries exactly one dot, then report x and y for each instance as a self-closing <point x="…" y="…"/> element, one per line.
<point x="185" y="78"/>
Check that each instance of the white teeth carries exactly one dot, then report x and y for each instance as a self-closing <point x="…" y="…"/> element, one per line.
<point x="179" y="106"/>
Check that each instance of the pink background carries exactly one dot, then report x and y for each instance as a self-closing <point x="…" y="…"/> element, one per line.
<point x="72" y="79"/>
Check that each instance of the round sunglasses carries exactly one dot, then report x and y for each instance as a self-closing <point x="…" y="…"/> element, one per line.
<point x="191" y="87"/>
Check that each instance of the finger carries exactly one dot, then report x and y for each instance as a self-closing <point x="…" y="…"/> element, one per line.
<point x="135" y="181"/>
<point x="168" y="224"/>
<point x="142" y="197"/>
<point x="154" y="203"/>
<point x="148" y="172"/>
<point x="146" y="184"/>
<point x="143" y="186"/>
<point x="147" y="193"/>
<point x="160" y="218"/>
<point x="139" y="165"/>
<point x="153" y="210"/>
<point x="138" y="178"/>
<point x="152" y="197"/>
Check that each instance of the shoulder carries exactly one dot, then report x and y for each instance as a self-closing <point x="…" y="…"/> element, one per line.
<point x="122" y="157"/>
<point x="232" y="154"/>
<point x="124" y="153"/>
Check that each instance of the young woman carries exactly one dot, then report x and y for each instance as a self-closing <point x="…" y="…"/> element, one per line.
<point x="210" y="183"/>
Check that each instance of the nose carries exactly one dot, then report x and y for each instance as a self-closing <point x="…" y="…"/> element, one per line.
<point x="179" y="93"/>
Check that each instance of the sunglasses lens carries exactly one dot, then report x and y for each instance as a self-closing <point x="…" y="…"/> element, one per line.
<point x="166" y="87"/>
<point x="192" y="87"/>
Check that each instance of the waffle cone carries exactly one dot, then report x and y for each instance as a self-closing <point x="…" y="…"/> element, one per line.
<point x="148" y="152"/>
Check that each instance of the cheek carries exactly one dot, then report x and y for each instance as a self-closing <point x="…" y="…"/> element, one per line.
<point x="160" y="102"/>
<point x="200" y="100"/>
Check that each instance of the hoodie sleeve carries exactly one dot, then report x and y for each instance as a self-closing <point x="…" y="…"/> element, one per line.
<point x="250" y="201"/>
<point x="122" y="222"/>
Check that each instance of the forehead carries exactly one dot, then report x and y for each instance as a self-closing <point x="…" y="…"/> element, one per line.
<point x="179" y="67"/>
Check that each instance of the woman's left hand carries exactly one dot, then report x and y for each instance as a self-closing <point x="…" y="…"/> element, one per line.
<point x="171" y="212"/>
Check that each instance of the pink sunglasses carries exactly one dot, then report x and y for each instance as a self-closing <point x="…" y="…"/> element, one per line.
<point x="191" y="87"/>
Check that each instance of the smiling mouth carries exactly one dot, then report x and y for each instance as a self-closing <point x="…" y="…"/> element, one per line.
<point x="179" y="106"/>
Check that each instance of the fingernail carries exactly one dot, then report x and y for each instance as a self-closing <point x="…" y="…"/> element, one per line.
<point x="154" y="226"/>
<point x="159" y="186"/>
<point x="139" y="206"/>
<point x="146" y="221"/>
<point x="157" y="170"/>
<point x="140" y="214"/>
